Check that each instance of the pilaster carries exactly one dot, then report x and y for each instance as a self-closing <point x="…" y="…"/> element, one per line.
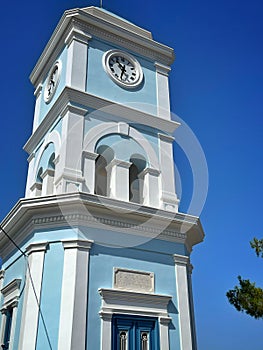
<point x="163" y="99"/>
<point x="32" y="296"/>
<point x="183" y="300"/>
<point x="73" y="314"/>
<point x="168" y="197"/>
<point x="151" y="191"/>
<point x="48" y="182"/>
<point x="89" y="159"/>
<point x="77" y="42"/>
<point x="68" y="170"/>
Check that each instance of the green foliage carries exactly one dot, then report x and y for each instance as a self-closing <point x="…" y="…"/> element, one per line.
<point x="257" y="245"/>
<point x="247" y="297"/>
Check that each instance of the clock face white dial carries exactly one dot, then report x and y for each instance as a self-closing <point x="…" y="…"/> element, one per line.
<point x="122" y="68"/>
<point x="52" y="81"/>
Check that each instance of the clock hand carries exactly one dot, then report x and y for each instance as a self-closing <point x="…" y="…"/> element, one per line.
<point x="122" y="71"/>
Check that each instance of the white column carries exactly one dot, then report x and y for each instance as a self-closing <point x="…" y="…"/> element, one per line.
<point x="30" y="314"/>
<point x="37" y="94"/>
<point x="151" y="191"/>
<point x="163" y="99"/>
<point x="76" y="74"/>
<point x="13" y="327"/>
<point x="168" y="197"/>
<point x="106" y="330"/>
<point x="73" y="309"/>
<point x="89" y="159"/>
<point x="48" y="182"/>
<point x="183" y="297"/>
<point x="69" y="168"/>
<point x="118" y="179"/>
<point x="164" y="332"/>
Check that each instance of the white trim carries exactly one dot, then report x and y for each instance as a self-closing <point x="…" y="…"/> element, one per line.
<point x="97" y="132"/>
<point x="30" y="313"/>
<point x="117" y="111"/>
<point x="11" y="293"/>
<point x="45" y="212"/>
<point x="73" y="308"/>
<point x="183" y="304"/>
<point x="135" y="304"/>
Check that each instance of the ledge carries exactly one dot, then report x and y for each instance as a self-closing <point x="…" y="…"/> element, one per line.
<point x="87" y="210"/>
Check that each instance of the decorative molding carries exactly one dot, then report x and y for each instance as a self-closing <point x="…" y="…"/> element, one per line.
<point x="151" y="171"/>
<point x="38" y="90"/>
<point x="119" y="301"/>
<point x="92" y="21"/>
<point x="44" y="212"/>
<point x="31" y="156"/>
<point x="48" y="172"/>
<point x="11" y="294"/>
<point x="74" y="97"/>
<point x="162" y="69"/>
<point x="77" y="244"/>
<point x="119" y="163"/>
<point x="78" y="35"/>
<point x="181" y="259"/>
<point x="36" y="247"/>
<point x="167" y="138"/>
<point x="73" y="109"/>
<point x="90" y="155"/>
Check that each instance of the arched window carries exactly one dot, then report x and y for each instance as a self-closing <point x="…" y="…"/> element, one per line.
<point x="39" y="178"/>
<point x="135" y="183"/>
<point x="51" y="164"/>
<point x="101" y="176"/>
<point x="106" y="154"/>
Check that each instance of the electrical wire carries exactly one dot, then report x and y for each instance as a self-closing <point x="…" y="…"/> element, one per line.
<point x="32" y="284"/>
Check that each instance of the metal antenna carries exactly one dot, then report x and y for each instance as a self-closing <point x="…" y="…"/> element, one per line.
<point x="100" y="3"/>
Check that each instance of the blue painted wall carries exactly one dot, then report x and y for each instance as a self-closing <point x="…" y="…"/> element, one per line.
<point x="146" y="258"/>
<point x="51" y="296"/>
<point x="99" y="83"/>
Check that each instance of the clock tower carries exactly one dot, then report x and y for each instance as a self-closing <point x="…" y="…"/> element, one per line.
<point x="107" y="251"/>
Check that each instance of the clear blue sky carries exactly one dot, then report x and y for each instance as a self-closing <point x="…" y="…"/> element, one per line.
<point x="217" y="88"/>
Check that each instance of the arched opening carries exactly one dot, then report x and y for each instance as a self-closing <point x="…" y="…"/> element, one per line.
<point x="135" y="183"/>
<point x="106" y="154"/>
<point x="38" y="177"/>
<point x="51" y="164"/>
<point x="100" y="176"/>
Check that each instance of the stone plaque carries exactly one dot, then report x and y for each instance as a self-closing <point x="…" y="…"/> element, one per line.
<point x="137" y="281"/>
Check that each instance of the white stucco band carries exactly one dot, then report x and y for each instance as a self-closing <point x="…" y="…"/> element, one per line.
<point x="133" y="304"/>
<point x="30" y="313"/>
<point x="73" y="314"/>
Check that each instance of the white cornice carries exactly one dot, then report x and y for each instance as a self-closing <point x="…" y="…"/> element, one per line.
<point x="95" y="22"/>
<point x="81" y="209"/>
<point x="70" y="96"/>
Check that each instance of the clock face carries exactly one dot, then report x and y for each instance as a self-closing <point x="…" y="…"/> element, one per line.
<point x="122" y="68"/>
<point x="52" y="81"/>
